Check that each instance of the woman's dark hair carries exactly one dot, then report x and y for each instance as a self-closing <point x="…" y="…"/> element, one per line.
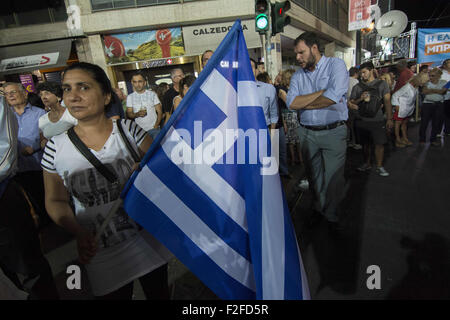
<point x="186" y="81"/>
<point x="352" y="71"/>
<point x="98" y="74"/>
<point x="161" y="89"/>
<point x="35" y="100"/>
<point x="52" y="87"/>
<point x="263" y="77"/>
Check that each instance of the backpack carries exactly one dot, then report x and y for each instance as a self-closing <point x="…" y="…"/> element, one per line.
<point x="370" y="109"/>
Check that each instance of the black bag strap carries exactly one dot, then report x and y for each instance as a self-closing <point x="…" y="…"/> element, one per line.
<point x="133" y="152"/>
<point x="110" y="176"/>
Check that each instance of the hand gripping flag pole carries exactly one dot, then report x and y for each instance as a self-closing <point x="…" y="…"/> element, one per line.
<point x="226" y="219"/>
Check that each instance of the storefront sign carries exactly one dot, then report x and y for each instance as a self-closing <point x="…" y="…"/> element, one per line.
<point x="208" y="37"/>
<point x="157" y="63"/>
<point x="359" y="14"/>
<point x="141" y="46"/>
<point x="434" y="45"/>
<point x="38" y="61"/>
<point x="27" y="81"/>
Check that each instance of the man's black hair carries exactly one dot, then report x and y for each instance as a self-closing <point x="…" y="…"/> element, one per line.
<point x="367" y="65"/>
<point x="139" y="73"/>
<point x="309" y="38"/>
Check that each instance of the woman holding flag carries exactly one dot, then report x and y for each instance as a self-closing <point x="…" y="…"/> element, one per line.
<point x="90" y="164"/>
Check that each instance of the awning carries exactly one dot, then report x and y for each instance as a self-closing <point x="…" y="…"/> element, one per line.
<point x="34" y="56"/>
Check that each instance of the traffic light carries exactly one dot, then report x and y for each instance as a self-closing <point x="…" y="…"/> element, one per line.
<point x="262" y="10"/>
<point x="279" y="17"/>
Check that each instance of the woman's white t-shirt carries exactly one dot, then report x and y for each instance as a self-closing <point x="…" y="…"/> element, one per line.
<point x="50" y="129"/>
<point x="123" y="254"/>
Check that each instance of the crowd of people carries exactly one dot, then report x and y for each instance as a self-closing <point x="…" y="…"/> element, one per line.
<point x="53" y="165"/>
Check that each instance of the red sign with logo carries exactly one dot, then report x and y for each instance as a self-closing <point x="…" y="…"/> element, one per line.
<point x="358" y="14"/>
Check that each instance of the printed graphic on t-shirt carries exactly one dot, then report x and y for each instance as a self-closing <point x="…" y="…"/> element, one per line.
<point x="96" y="195"/>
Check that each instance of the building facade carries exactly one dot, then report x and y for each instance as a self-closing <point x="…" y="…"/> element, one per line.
<point x="156" y="35"/>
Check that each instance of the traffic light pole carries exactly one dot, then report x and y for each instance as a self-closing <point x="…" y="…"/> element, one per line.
<point x="268" y="47"/>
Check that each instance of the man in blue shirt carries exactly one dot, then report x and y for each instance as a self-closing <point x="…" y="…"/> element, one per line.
<point x="268" y="97"/>
<point x="29" y="145"/>
<point x="318" y="91"/>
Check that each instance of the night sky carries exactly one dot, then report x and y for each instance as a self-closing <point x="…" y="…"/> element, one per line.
<point x="437" y="11"/>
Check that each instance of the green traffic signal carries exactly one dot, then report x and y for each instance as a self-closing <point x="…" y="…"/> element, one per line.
<point x="279" y="18"/>
<point x="262" y="11"/>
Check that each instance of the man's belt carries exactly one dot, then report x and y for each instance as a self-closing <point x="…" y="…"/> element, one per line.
<point x="325" y="127"/>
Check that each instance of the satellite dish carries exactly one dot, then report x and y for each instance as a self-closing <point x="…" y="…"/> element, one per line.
<point x="392" y="23"/>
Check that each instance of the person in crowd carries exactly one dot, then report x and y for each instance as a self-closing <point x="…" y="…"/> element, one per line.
<point x="122" y="98"/>
<point x="319" y="91"/>
<point x="167" y="104"/>
<point x="185" y="84"/>
<point x="393" y="72"/>
<point x="35" y="100"/>
<point x="386" y="77"/>
<point x="424" y="68"/>
<point x="404" y="102"/>
<point x="58" y="119"/>
<point x="24" y="267"/>
<point x="277" y="80"/>
<point x="161" y="90"/>
<point x="29" y="173"/>
<point x="144" y="106"/>
<point x="268" y="98"/>
<point x="412" y="65"/>
<point x="116" y="110"/>
<point x="404" y="74"/>
<point x="433" y="106"/>
<point x="281" y="126"/>
<point x="206" y="56"/>
<point x="264" y="77"/>
<point x="372" y="130"/>
<point x="353" y="140"/>
<point x="289" y="118"/>
<point x="446" y="76"/>
<point x="260" y="68"/>
<point x="121" y="254"/>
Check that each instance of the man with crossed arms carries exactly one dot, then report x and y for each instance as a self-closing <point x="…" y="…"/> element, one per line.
<point x="318" y="91"/>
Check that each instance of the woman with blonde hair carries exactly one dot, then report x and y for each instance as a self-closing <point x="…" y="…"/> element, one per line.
<point x="404" y="101"/>
<point x="289" y="117"/>
<point x="387" y="77"/>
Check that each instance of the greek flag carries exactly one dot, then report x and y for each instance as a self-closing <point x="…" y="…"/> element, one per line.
<point x="207" y="189"/>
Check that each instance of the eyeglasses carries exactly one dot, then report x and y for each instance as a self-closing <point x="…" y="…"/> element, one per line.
<point x="10" y="93"/>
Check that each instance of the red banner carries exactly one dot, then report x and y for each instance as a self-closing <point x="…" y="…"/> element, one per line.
<point x="359" y="14"/>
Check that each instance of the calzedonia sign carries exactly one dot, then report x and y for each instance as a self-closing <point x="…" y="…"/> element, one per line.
<point x="197" y="39"/>
<point x="214" y="30"/>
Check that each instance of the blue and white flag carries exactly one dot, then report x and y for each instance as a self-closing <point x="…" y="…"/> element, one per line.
<point x="433" y="45"/>
<point x="209" y="190"/>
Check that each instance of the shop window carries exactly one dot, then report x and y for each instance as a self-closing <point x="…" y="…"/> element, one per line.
<point x="31" y="12"/>
<point x="7" y="21"/>
<point x="34" y="17"/>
